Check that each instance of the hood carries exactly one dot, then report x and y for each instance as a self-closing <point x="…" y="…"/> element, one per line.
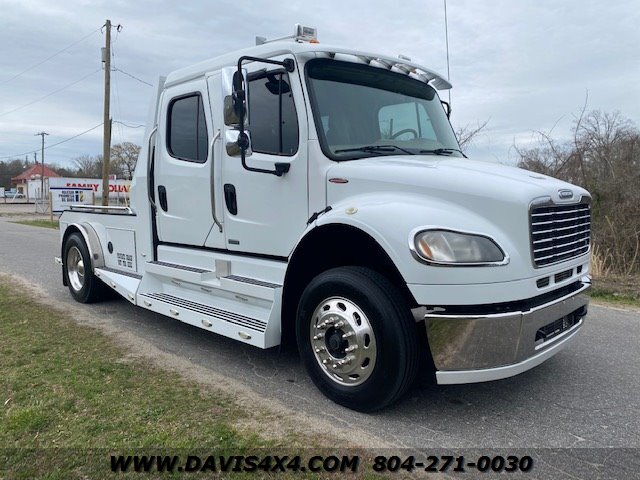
<point x="459" y="180"/>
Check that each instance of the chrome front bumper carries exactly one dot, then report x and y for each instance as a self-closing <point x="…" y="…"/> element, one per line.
<point x="483" y="347"/>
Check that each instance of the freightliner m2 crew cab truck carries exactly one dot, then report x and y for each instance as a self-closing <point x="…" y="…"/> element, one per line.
<point x="300" y="190"/>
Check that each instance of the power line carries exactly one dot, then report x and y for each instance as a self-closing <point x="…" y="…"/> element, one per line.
<point x="128" y="126"/>
<point x="47" y="95"/>
<point x="129" y="75"/>
<point x="53" y="144"/>
<point x="49" y="57"/>
<point x="75" y="136"/>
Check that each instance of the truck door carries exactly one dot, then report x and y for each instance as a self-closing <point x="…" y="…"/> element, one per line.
<point x="183" y="165"/>
<point x="264" y="213"/>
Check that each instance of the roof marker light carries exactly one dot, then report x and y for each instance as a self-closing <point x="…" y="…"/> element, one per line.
<point x="306" y="34"/>
<point x="301" y="34"/>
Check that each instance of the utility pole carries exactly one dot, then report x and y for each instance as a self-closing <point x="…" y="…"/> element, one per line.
<point x="106" y="139"/>
<point x="42" y="134"/>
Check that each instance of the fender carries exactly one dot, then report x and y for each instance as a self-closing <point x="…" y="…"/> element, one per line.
<point x="389" y="218"/>
<point x="91" y="240"/>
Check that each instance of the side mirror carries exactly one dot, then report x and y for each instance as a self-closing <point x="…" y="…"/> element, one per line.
<point x="234" y="142"/>
<point x="231" y="119"/>
<point x="234" y="93"/>
<point x="447" y="108"/>
<point x="235" y="84"/>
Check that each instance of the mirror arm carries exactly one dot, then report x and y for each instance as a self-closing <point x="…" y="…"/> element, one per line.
<point x="239" y="94"/>
<point x="447" y="108"/>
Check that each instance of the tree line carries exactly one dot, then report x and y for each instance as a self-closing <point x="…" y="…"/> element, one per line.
<point x="603" y="156"/>
<point x="122" y="163"/>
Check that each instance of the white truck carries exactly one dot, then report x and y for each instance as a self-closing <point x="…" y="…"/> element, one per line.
<point x="299" y="190"/>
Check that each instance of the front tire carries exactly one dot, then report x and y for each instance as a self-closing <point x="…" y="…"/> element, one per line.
<point x="357" y="338"/>
<point x="84" y="286"/>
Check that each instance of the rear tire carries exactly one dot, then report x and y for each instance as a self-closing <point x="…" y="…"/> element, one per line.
<point x="84" y="286"/>
<point x="357" y="338"/>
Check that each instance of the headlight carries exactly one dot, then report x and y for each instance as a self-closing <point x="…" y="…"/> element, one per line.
<point x="457" y="248"/>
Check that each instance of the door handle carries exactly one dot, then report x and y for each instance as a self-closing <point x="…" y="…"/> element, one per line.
<point x="230" y="198"/>
<point x="162" y="196"/>
<point x="150" y="168"/>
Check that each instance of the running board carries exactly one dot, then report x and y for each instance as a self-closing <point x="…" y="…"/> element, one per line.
<point x="250" y="330"/>
<point x="180" y="272"/>
<point x="125" y="283"/>
<point x="211" y="280"/>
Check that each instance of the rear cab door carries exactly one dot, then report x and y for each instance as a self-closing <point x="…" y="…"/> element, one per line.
<point x="182" y="178"/>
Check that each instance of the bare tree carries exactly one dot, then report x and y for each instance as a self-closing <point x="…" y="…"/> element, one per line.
<point x="124" y="157"/>
<point x="88" y="166"/>
<point x="468" y="133"/>
<point x="604" y="157"/>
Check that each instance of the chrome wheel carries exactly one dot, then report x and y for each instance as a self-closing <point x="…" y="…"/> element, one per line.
<point x="75" y="268"/>
<point x="342" y="341"/>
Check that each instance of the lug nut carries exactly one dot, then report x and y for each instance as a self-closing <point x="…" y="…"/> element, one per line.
<point x="339" y="324"/>
<point x="327" y="323"/>
<point x="320" y="349"/>
<point x="318" y="336"/>
<point x="347" y="360"/>
<point x="352" y="348"/>
<point x="344" y="361"/>
<point x="347" y="335"/>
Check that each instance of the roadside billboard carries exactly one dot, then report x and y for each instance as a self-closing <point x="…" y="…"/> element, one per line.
<point x="62" y="197"/>
<point x="118" y="189"/>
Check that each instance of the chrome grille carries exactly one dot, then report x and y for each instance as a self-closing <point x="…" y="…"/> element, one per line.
<point x="559" y="232"/>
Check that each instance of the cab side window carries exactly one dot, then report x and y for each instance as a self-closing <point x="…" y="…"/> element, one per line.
<point x="187" y="129"/>
<point x="273" y="122"/>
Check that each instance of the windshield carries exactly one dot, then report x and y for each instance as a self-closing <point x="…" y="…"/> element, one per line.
<point x="363" y="111"/>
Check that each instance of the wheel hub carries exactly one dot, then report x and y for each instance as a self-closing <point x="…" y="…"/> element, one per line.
<point x="343" y="341"/>
<point x="75" y="268"/>
<point x="335" y="344"/>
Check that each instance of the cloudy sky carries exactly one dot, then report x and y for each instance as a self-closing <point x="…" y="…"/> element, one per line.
<point x="523" y="65"/>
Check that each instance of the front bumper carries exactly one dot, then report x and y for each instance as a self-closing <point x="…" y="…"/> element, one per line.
<point x="468" y="348"/>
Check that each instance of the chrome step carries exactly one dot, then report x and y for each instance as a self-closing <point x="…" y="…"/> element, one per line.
<point x="180" y="267"/>
<point x="208" y="310"/>
<point x="180" y="272"/>
<point x="246" y="326"/>
<point x="253" y="281"/>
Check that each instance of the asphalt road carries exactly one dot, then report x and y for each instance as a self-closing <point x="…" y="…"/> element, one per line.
<point x="586" y="396"/>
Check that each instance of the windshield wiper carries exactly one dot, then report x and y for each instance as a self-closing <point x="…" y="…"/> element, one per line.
<point x="443" y="151"/>
<point x="375" y="149"/>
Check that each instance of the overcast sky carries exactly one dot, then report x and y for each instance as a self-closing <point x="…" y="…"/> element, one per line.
<point x="523" y="65"/>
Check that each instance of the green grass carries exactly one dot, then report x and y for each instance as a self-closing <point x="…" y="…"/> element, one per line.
<point x="612" y="297"/>
<point x="70" y="398"/>
<point x="620" y="290"/>
<point x="40" y="223"/>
